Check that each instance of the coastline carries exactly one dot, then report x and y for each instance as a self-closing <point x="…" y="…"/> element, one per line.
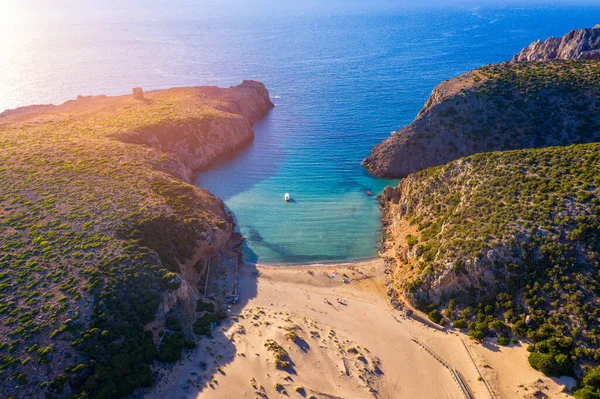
<point x="337" y="264"/>
<point x="134" y="170"/>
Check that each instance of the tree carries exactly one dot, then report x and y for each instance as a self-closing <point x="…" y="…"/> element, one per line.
<point x="590" y="385"/>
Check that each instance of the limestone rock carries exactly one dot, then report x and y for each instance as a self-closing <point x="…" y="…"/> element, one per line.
<point x="390" y="195"/>
<point x="576" y="45"/>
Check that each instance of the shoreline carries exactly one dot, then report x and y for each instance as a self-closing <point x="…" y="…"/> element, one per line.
<point x="340" y="264"/>
<point x="337" y="353"/>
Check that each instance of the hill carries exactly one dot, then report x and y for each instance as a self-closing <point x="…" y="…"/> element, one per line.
<point x="504" y="244"/>
<point x="499" y="107"/>
<point x="98" y="224"/>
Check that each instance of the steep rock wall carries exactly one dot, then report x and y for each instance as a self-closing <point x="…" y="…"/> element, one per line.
<point x="580" y="44"/>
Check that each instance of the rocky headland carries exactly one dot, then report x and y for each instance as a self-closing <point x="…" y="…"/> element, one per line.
<point x="494" y="226"/>
<point x="101" y="233"/>
<point x="502" y="107"/>
<point x="504" y="245"/>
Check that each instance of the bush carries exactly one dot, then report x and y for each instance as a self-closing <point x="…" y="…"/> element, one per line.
<point x="203" y="325"/>
<point x="504" y="341"/>
<point x="282" y="359"/>
<point x="589" y="387"/>
<point x="435" y="316"/>
<point x="170" y="348"/>
<point x="205" y="306"/>
<point x="477" y="335"/>
<point x="460" y="323"/>
<point x="550" y="365"/>
<point x="172" y="323"/>
<point x="190" y="345"/>
<point x="411" y="241"/>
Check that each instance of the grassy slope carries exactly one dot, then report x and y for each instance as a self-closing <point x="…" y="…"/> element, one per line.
<point x="494" y="108"/>
<point x="90" y="229"/>
<point x="496" y="237"/>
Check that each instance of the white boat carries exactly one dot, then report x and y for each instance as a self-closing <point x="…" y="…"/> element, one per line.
<point x="287" y="197"/>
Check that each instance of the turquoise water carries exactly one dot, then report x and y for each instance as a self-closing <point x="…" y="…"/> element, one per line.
<point x="342" y="77"/>
<point x="330" y="217"/>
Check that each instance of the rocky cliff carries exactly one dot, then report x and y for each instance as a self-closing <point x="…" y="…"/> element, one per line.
<point x="98" y="228"/>
<point x="494" y="108"/>
<point x="580" y="44"/>
<point x="198" y="139"/>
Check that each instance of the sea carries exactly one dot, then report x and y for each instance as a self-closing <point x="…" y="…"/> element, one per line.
<point x="343" y="75"/>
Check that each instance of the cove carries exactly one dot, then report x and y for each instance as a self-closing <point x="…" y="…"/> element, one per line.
<point x="333" y="214"/>
<point x="337" y="94"/>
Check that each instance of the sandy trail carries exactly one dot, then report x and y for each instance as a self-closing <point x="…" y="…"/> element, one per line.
<point x="361" y="348"/>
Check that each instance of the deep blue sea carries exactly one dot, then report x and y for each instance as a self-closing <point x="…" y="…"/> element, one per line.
<point x="342" y="80"/>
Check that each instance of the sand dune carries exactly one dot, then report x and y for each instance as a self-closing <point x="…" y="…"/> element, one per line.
<point x="359" y="348"/>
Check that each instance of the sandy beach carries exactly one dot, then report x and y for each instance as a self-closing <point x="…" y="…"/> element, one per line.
<point x="342" y="339"/>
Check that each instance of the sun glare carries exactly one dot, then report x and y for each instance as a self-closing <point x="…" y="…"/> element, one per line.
<point x="11" y="24"/>
<point x="9" y="13"/>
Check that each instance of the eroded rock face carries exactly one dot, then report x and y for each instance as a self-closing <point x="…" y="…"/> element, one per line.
<point x="398" y="204"/>
<point x="576" y="45"/>
<point x="184" y="298"/>
<point x="250" y="99"/>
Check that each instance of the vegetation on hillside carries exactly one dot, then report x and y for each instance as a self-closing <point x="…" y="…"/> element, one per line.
<point x="531" y="105"/>
<point x="507" y="244"/>
<point x="495" y="108"/>
<point x="589" y="386"/>
<point x="91" y="232"/>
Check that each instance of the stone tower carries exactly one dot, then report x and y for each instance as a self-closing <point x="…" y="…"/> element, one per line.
<point x="138" y="93"/>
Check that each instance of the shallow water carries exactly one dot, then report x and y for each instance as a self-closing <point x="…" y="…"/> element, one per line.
<point x="342" y="80"/>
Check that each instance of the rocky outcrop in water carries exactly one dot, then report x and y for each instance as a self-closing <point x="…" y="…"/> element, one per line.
<point x="580" y="44"/>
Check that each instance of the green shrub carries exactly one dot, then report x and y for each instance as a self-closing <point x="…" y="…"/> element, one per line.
<point x="550" y="365"/>
<point x="411" y="240"/>
<point x="203" y="324"/>
<point x="589" y="387"/>
<point x="435" y="316"/>
<point x="172" y="323"/>
<point x="202" y="306"/>
<point x="477" y="335"/>
<point x="170" y="348"/>
<point x="460" y="323"/>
